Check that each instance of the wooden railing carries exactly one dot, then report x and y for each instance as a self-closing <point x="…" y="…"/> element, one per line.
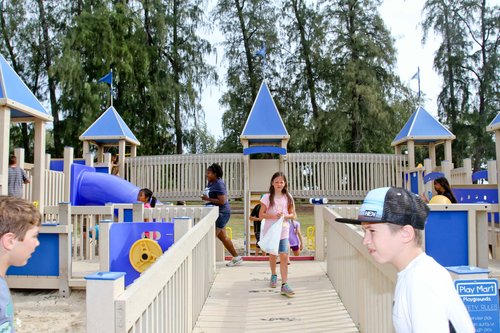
<point x="333" y="175"/>
<point x="342" y="176"/>
<point x="182" y="177"/>
<point x="365" y="287"/>
<point x="54" y="187"/>
<point x="168" y="296"/>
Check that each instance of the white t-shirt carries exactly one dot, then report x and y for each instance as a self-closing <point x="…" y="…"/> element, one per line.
<point x="425" y="300"/>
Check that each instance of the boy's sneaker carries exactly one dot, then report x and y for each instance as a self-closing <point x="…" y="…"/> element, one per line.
<point x="286" y="290"/>
<point x="235" y="261"/>
<point x="274" y="281"/>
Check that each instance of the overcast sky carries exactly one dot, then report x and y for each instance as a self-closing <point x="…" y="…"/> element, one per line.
<point x="403" y="18"/>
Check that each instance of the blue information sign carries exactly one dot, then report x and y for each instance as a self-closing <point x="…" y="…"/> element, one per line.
<point x="481" y="300"/>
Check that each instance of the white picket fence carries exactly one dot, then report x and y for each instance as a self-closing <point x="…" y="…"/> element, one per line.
<point x="342" y="176"/>
<point x="54" y="187"/>
<point x="333" y="175"/>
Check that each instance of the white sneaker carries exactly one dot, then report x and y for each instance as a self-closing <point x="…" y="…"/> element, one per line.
<point x="235" y="261"/>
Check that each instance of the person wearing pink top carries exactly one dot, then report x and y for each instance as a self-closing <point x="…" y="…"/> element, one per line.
<point x="276" y="204"/>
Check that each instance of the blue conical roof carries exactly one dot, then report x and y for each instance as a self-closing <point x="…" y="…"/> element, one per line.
<point x="109" y="128"/>
<point x="264" y="120"/>
<point x="422" y="128"/>
<point x="17" y="96"/>
<point x="495" y="124"/>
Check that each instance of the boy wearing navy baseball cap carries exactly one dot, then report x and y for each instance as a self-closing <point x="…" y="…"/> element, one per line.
<point x="425" y="299"/>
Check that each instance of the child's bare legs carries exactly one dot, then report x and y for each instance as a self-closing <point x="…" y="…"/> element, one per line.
<point x="272" y="263"/>
<point x="221" y="234"/>
<point x="283" y="267"/>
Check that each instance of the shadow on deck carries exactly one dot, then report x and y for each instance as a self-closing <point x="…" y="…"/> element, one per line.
<point x="242" y="301"/>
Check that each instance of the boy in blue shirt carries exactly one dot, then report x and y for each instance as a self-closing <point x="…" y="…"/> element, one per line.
<point x="19" y="227"/>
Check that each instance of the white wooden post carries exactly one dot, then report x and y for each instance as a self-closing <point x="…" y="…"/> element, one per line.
<point x="411" y="154"/>
<point x="39" y="167"/>
<point x="138" y="212"/>
<point x="89" y="159"/>
<point x="104" y="226"/>
<point x="68" y="161"/>
<point x="86" y="148"/>
<point x="100" y="152"/>
<point x="181" y="226"/>
<point x="446" y="167"/>
<point x="447" y="150"/>
<point x="103" y="288"/>
<point x="428" y="187"/>
<point x="65" y="267"/>
<point x="492" y="172"/>
<point x="107" y="161"/>
<point x="319" y="225"/>
<point x="133" y="150"/>
<point x="432" y="154"/>
<point x="121" y="164"/>
<point x="468" y="170"/>
<point x="4" y="148"/>
<point x="47" y="161"/>
<point x="20" y="157"/>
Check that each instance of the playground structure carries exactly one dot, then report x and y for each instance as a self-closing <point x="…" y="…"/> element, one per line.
<point x="190" y="262"/>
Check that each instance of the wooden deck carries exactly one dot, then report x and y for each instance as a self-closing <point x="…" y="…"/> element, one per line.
<point x="242" y="301"/>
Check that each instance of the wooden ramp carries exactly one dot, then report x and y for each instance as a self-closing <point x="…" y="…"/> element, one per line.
<point x="242" y="301"/>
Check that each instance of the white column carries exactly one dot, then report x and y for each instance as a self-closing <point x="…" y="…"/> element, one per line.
<point x="86" y="148"/>
<point x="181" y="226"/>
<point x="133" y="151"/>
<point x="102" y="289"/>
<point x="20" y="157"/>
<point x="432" y="154"/>
<point x="100" y="152"/>
<point x="104" y="226"/>
<point x="89" y="159"/>
<point x="4" y="148"/>
<point x="492" y="172"/>
<point x="411" y="154"/>
<point x="446" y="167"/>
<point x="319" y="224"/>
<point x="397" y="150"/>
<point x="447" y="150"/>
<point x="65" y="261"/>
<point x="121" y="165"/>
<point x="138" y="212"/>
<point x="38" y="178"/>
<point x="47" y="161"/>
<point x="468" y="170"/>
<point x="68" y="161"/>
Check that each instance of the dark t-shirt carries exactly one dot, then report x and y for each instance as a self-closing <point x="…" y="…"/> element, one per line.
<point x="214" y="189"/>
<point x="255" y="211"/>
<point x="450" y="196"/>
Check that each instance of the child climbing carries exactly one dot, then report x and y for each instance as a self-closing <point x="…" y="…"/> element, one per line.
<point x="277" y="207"/>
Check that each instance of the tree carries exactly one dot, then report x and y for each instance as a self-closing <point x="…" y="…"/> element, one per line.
<point x="367" y="88"/>
<point x="247" y="27"/>
<point x="468" y="60"/>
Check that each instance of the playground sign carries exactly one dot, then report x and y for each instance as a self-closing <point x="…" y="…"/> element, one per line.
<point x="481" y="300"/>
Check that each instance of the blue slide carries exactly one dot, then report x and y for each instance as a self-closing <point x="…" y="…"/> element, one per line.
<point x="91" y="188"/>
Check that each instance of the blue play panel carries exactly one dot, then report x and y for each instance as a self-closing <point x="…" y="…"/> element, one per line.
<point x="44" y="261"/>
<point x="446" y="237"/>
<point x="123" y="235"/>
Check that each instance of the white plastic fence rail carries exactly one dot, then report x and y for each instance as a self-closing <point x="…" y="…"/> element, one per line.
<point x="168" y="296"/>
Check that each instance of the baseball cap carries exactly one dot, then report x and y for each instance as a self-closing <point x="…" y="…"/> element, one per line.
<point x="392" y="205"/>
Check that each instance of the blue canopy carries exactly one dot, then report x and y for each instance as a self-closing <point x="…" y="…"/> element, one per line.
<point x="18" y="97"/>
<point x="109" y="128"/>
<point x="264" y="123"/>
<point x="422" y="128"/>
<point x="495" y="124"/>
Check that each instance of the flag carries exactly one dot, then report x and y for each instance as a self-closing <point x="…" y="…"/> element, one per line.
<point x="262" y="52"/>
<point x="108" y="78"/>
<point x="417" y="76"/>
<point x="414" y="76"/>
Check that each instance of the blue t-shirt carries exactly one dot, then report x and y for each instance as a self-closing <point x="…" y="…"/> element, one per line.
<point x="213" y="190"/>
<point x="6" y="308"/>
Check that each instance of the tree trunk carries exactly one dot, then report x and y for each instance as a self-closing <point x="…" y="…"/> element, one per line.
<point x="177" y="73"/>
<point x="248" y="51"/>
<point x="52" y="83"/>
